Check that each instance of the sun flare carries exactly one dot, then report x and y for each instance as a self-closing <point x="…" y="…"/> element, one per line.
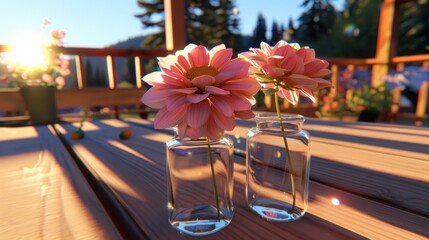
<point x="27" y="51"/>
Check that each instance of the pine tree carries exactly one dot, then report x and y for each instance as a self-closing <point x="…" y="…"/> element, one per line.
<point x="153" y="18"/>
<point x="354" y="33"/>
<point x="413" y="28"/>
<point x="129" y="71"/>
<point x="209" y="23"/>
<point x="290" y="32"/>
<point x="316" y="21"/>
<point x="275" y="36"/>
<point x="259" y="34"/>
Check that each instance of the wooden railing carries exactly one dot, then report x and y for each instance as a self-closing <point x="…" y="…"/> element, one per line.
<point x="88" y="97"/>
<point x="112" y="96"/>
<point x="397" y="63"/>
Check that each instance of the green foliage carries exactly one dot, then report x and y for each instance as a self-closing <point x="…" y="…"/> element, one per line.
<point x="413" y="29"/>
<point x="317" y="21"/>
<point x="374" y="98"/>
<point x="335" y="105"/>
<point x="209" y="23"/>
<point x="153" y="18"/>
<point x="354" y="32"/>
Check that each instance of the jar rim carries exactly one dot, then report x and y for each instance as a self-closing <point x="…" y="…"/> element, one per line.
<point x="285" y="116"/>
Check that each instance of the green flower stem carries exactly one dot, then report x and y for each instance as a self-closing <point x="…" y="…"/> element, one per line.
<point x="214" y="178"/>
<point x="289" y="160"/>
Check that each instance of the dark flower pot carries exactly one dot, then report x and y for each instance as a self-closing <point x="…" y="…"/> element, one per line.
<point x="368" y="116"/>
<point x="40" y="102"/>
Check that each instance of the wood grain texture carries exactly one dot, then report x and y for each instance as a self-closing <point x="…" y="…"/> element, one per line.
<point x="135" y="171"/>
<point x="43" y="195"/>
<point x="11" y="99"/>
<point x="383" y="162"/>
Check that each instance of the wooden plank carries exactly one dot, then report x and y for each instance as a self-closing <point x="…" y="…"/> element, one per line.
<point x="410" y="59"/>
<point x="11" y="99"/>
<point x="365" y="159"/>
<point x="43" y="194"/>
<point x="90" y="97"/>
<point x="135" y="171"/>
<point x="100" y="52"/>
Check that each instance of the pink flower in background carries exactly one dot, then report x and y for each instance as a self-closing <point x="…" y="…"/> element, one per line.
<point x="201" y="92"/>
<point x="48" y="65"/>
<point x="288" y="69"/>
<point x="46" y="22"/>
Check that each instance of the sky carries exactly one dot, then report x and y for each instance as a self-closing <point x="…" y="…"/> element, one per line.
<point x="100" y="23"/>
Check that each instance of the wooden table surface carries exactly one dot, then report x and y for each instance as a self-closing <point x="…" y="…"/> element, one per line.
<point x="102" y="187"/>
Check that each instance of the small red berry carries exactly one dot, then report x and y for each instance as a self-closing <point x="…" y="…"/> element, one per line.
<point x="78" y="134"/>
<point x="125" y="134"/>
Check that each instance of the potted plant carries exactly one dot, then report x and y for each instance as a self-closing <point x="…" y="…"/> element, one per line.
<point x="336" y="107"/>
<point x="38" y="72"/>
<point x="373" y="101"/>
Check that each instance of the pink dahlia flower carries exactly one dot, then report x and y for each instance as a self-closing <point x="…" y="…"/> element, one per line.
<point x="201" y="92"/>
<point x="288" y="69"/>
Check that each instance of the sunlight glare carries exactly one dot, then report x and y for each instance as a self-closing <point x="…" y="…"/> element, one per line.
<point x="27" y="50"/>
<point x="335" y="201"/>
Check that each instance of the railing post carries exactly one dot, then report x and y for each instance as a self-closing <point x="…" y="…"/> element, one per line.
<point x="386" y="40"/>
<point x="423" y="99"/>
<point x="138" y="67"/>
<point x="81" y="81"/>
<point x="111" y="71"/>
<point x="175" y="30"/>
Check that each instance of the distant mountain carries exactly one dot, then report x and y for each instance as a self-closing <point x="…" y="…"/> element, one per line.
<point x="133" y="42"/>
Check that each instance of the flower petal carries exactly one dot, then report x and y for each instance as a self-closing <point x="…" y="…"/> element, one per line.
<point x="155" y="97"/>
<point x="307" y="93"/>
<point x="224" y="122"/>
<point x="266" y="48"/>
<point x="196" y="133"/>
<point x="203" y="80"/>
<point x="241" y="102"/>
<point x="199" y="56"/>
<point x="195" y="98"/>
<point x="306" y="54"/>
<point x="197" y="114"/>
<point x="245" y="84"/>
<point x="222" y="105"/>
<point x="184" y="90"/>
<point x="315" y="66"/>
<point x="176" y="100"/>
<point x="289" y="95"/>
<point x="216" y="91"/>
<point x="244" y="114"/>
<point x="238" y="66"/>
<point x="153" y="79"/>
<point x="219" y="56"/>
<point x="165" y="118"/>
<point x="213" y="130"/>
<point x="182" y="60"/>
<point x="305" y="81"/>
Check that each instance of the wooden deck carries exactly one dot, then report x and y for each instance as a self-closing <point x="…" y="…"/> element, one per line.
<point x="101" y="187"/>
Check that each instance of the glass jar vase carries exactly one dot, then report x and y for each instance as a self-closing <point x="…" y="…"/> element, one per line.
<point x="278" y="167"/>
<point x="199" y="187"/>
